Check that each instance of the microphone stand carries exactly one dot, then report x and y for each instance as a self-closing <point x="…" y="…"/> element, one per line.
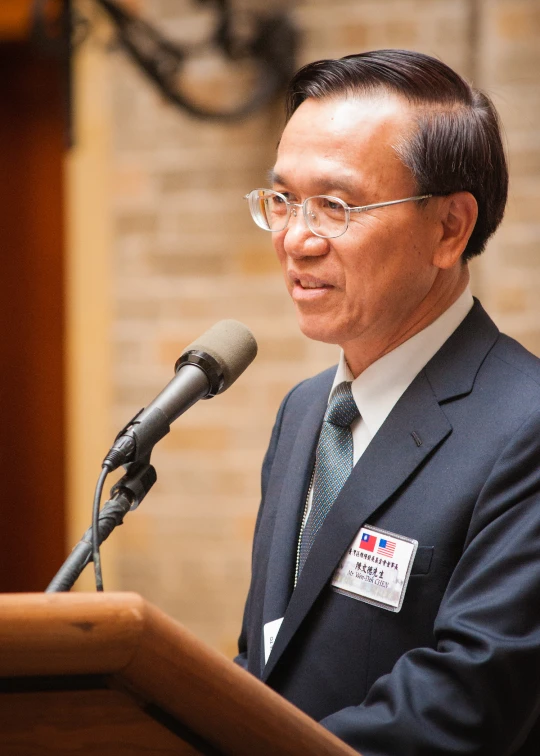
<point x="126" y="495"/>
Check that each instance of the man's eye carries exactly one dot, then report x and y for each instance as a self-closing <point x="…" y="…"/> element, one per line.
<point x="279" y="197"/>
<point x="330" y="204"/>
<point x="331" y="207"/>
<point x="278" y="203"/>
<point x="334" y="205"/>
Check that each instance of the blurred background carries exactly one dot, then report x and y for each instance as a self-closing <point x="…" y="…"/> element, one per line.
<point x="124" y="236"/>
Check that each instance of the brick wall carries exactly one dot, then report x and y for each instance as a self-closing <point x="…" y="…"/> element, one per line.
<point x="186" y="254"/>
<point x="509" y="60"/>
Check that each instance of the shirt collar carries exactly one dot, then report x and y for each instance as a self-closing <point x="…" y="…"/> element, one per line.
<point x="379" y="387"/>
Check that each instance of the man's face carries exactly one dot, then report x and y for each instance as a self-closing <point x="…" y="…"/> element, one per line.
<point x="367" y="286"/>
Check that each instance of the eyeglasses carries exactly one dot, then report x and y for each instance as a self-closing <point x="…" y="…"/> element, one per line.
<point x="325" y="216"/>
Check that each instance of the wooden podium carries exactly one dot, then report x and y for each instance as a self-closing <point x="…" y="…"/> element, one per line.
<point x="110" y="674"/>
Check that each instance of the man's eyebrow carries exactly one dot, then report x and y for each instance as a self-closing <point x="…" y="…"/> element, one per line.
<point x="273" y="177"/>
<point x="325" y="185"/>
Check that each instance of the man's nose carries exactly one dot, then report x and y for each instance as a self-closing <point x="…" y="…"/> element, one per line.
<point x="299" y="240"/>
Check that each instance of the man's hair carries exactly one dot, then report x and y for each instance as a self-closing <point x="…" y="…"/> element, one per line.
<point x="457" y="143"/>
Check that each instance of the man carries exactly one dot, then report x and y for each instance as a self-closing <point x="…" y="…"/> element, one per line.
<point x="395" y="594"/>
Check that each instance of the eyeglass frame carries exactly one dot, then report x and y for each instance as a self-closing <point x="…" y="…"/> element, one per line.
<point x="348" y="209"/>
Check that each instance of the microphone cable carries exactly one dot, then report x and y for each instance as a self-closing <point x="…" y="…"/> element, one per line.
<point x="96" y="556"/>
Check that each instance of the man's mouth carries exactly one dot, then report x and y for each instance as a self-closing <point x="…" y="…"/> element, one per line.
<point x="313" y="284"/>
<point x="309" y="282"/>
<point x="307" y="288"/>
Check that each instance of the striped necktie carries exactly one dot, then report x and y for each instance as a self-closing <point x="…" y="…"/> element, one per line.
<point x="333" y="463"/>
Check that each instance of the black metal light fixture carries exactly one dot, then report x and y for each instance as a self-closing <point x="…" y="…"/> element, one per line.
<point x="270" y="48"/>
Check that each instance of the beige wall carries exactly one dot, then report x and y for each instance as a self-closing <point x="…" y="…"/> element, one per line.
<point x="184" y="254"/>
<point x="89" y="233"/>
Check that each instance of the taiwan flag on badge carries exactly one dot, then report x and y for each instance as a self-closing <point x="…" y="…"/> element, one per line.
<point x="367" y="542"/>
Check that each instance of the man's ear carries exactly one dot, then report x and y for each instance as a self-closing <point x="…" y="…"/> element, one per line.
<point x="457" y="216"/>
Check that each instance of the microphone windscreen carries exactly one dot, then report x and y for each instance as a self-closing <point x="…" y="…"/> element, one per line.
<point x="231" y="344"/>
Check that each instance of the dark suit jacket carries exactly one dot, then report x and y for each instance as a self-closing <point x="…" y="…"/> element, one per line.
<point x="457" y="670"/>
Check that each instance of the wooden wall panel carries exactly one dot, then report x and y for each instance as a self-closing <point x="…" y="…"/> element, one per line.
<point x="31" y="319"/>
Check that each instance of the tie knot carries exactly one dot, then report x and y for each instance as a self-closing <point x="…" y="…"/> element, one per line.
<point x="342" y="409"/>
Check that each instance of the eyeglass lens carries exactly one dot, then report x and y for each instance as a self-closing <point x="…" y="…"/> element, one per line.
<point x="325" y="216"/>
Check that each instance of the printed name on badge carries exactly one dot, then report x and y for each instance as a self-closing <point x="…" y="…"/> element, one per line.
<point x="376" y="568"/>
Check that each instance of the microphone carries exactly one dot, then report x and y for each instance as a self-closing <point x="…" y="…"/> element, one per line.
<point x="207" y="367"/>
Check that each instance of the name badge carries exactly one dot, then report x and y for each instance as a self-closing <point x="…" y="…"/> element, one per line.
<point x="376" y="568"/>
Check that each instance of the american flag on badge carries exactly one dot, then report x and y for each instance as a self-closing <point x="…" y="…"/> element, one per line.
<point x="386" y="548"/>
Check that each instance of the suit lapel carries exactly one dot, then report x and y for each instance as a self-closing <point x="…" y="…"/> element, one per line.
<point x="414" y="429"/>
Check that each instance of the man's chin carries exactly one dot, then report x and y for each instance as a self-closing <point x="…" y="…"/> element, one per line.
<point x="318" y="330"/>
